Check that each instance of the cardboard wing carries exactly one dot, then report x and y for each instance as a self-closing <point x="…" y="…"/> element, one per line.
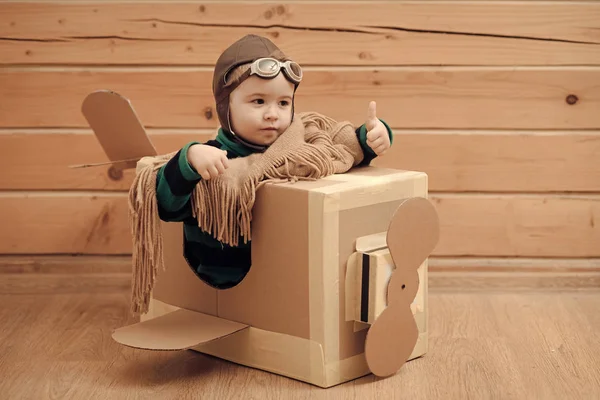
<point x="177" y="330"/>
<point x="117" y="128"/>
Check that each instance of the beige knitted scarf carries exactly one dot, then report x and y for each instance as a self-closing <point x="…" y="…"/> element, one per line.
<point x="314" y="146"/>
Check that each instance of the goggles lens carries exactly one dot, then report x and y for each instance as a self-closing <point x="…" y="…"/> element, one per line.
<point x="270" y="67"/>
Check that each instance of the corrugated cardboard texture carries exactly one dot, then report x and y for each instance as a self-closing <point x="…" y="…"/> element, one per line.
<point x="379" y="270"/>
<point x="274" y="294"/>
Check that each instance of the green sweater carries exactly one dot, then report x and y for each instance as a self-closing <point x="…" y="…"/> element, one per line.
<point x="217" y="264"/>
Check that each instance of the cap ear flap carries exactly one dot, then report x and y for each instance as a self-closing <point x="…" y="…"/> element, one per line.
<point x="412" y="235"/>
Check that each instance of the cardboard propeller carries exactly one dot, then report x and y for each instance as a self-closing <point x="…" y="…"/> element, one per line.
<point x="412" y="235"/>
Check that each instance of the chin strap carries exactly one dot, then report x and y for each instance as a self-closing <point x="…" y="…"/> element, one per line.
<point x="253" y="146"/>
<point x="238" y="139"/>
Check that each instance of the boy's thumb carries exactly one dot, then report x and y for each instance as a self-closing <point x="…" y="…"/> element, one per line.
<point x="372" y="111"/>
<point x="371" y="116"/>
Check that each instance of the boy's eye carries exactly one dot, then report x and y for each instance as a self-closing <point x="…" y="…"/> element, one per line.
<point x="258" y="101"/>
<point x="284" y="103"/>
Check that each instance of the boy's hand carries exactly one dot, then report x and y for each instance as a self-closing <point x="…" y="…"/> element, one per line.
<point x="208" y="161"/>
<point x="378" y="138"/>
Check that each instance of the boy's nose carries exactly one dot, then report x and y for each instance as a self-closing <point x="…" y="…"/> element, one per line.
<point x="271" y="113"/>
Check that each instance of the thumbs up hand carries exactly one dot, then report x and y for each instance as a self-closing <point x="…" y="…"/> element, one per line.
<point x="378" y="138"/>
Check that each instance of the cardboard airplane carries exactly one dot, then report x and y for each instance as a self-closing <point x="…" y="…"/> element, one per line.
<point x="337" y="289"/>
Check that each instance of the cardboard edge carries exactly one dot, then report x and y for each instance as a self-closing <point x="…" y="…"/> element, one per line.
<point x="272" y="352"/>
<point x="118" y="164"/>
<point x="352" y="287"/>
<point x="178" y="330"/>
<point x="369" y="243"/>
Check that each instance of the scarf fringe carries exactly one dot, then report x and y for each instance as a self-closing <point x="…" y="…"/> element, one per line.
<point x="146" y="232"/>
<point x="224" y="211"/>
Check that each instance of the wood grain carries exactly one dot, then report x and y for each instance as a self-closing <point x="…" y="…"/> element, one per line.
<point x="456" y="161"/>
<point x="491" y="161"/>
<point x="428" y="98"/>
<point x="518" y="226"/>
<point x="64" y="223"/>
<point x="482" y="345"/>
<point x="59" y="274"/>
<point x="471" y="225"/>
<point x="43" y="159"/>
<point x="405" y="33"/>
<point x="65" y="283"/>
<point x="467" y="274"/>
<point x="54" y="274"/>
<point x="66" y="265"/>
<point x="519" y="280"/>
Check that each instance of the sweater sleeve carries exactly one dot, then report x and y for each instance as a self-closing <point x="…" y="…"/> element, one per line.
<point x="175" y="182"/>
<point x="361" y="133"/>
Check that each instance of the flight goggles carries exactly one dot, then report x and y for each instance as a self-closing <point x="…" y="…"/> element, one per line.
<point x="269" y="68"/>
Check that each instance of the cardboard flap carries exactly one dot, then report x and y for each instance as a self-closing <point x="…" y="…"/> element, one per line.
<point x="178" y="330"/>
<point x="376" y="241"/>
<point x="116" y="126"/>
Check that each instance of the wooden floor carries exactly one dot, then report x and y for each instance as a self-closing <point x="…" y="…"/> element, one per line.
<point x="525" y="345"/>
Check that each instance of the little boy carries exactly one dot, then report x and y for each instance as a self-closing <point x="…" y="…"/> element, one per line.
<point x="254" y="85"/>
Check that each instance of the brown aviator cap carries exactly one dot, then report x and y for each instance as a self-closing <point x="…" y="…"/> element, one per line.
<point x="247" y="49"/>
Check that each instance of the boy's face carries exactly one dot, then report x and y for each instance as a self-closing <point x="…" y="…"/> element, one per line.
<point x="261" y="109"/>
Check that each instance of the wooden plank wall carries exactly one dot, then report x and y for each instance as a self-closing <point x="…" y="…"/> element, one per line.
<point x="498" y="101"/>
